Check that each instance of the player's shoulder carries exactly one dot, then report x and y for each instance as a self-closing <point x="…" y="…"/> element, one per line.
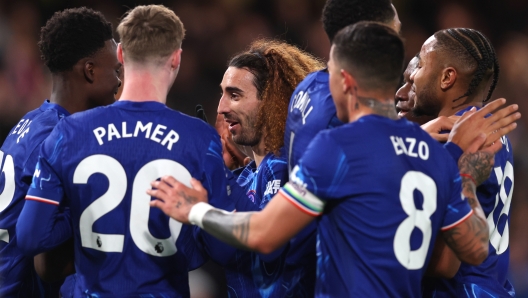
<point x="34" y="127"/>
<point x="274" y="163"/>
<point x="313" y="82"/>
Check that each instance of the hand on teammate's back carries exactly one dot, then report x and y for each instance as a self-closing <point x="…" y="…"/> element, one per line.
<point x="473" y="123"/>
<point x="175" y="199"/>
<point x="233" y="157"/>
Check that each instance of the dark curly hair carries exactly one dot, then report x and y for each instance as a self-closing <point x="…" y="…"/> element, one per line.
<point x="337" y="14"/>
<point x="277" y="68"/>
<point x="72" y="34"/>
<point x="472" y="49"/>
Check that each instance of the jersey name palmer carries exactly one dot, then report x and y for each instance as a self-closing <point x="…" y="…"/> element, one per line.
<point x="157" y="133"/>
<point x="410" y="147"/>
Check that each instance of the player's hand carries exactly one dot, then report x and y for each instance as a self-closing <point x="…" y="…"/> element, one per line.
<point x="442" y="123"/>
<point x="175" y="199"/>
<point x="233" y="157"/>
<point x="473" y="123"/>
<point x="479" y="163"/>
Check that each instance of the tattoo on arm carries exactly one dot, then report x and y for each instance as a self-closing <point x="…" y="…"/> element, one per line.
<point x="478" y="165"/>
<point x="232" y="228"/>
<point x="387" y="108"/>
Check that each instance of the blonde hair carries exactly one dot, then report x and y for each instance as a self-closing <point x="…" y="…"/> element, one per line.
<point x="150" y="32"/>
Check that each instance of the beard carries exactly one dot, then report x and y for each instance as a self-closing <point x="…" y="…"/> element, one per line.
<point x="249" y="134"/>
<point x="426" y="103"/>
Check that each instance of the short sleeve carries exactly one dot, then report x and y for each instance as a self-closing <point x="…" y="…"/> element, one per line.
<point x="319" y="176"/>
<point x="46" y="186"/>
<point x="458" y="208"/>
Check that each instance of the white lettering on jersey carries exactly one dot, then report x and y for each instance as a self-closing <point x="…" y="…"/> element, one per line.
<point x="272" y="187"/>
<point x="409" y="149"/>
<point x="37" y="173"/>
<point x="22" y="128"/>
<point x="301" y="102"/>
<point x="159" y="135"/>
<point x="505" y="143"/>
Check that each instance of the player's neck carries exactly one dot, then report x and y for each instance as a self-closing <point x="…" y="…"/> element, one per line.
<point x="66" y="94"/>
<point x="145" y="84"/>
<point x="373" y="103"/>
<point x="259" y="152"/>
<point x="451" y="108"/>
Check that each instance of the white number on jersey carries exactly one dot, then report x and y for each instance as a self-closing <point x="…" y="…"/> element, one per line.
<point x="412" y="180"/>
<point x="8" y="170"/>
<point x="498" y="240"/>
<point x="140" y="208"/>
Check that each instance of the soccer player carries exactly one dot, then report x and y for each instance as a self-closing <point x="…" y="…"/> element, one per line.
<point x="455" y="67"/>
<point x="373" y="239"/>
<point x="256" y="90"/>
<point x="100" y="162"/>
<point x="311" y="107"/>
<point x="78" y="48"/>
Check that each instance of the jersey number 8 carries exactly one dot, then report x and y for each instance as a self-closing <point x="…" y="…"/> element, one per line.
<point x="412" y="180"/>
<point x="140" y="208"/>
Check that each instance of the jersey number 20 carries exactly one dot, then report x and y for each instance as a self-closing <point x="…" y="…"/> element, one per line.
<point x="140" y="208"/>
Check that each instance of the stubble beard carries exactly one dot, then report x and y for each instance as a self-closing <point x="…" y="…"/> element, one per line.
<point x="426" y="103"/>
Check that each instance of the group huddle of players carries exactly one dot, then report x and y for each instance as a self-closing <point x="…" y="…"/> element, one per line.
<point x="345" y="194"/>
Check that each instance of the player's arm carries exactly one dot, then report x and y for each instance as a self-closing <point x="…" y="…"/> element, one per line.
<point x="444" y="262"/>
<point x="42" y="225"/>
<point x="474" y="123"/>
<point x="469" y="238"/>
<point x="56" y="264"/>
<point x="263" y="231"/>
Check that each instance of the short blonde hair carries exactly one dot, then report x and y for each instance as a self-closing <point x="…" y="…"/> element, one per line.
<point x="150" y="32"/>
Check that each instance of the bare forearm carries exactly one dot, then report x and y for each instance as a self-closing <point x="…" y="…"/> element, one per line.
<point x="232" y="228"/>
<point x="470" y="239"/>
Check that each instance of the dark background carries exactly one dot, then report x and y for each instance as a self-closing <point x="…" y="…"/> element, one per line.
<point x="217" y="29"/>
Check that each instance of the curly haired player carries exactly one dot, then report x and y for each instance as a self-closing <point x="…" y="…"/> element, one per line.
<point x="78" y="49"/>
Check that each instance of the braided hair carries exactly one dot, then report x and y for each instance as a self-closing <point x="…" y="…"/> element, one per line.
<point x="473" y="49"/>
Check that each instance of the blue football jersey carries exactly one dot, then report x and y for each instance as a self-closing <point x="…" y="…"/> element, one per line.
<point x="489" y="279"/>
<point x="382" y="190"/>
<point x="311" y="110"/>
<point x="18" y="157"/>
<point x="250" y="274"/>
<point x="100" y="163"/>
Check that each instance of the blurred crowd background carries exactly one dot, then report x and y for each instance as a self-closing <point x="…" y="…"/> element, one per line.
<point x="217" y="29"/>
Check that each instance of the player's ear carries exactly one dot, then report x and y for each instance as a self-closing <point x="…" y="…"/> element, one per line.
<point x="176" y="59"/>
<point x="120" y="53"/>
<point x="349" y="82"/>
<point x="88" y="70"/>
<point x="448" y="78"/>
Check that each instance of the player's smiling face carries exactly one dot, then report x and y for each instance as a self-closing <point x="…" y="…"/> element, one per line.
<point x="239" y="105"/>
<point x="405" y="96"/>
<point x="425" y="80"/>
<point x="106" y="70"/>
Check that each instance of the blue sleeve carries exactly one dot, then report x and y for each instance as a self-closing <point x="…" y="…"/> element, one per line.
<point x="454" y="150"/>
<point x="312" y="184"/>
<point x="41" y="225"/>
<point x="458" y="208"/>
<point x="215" y="180"/>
